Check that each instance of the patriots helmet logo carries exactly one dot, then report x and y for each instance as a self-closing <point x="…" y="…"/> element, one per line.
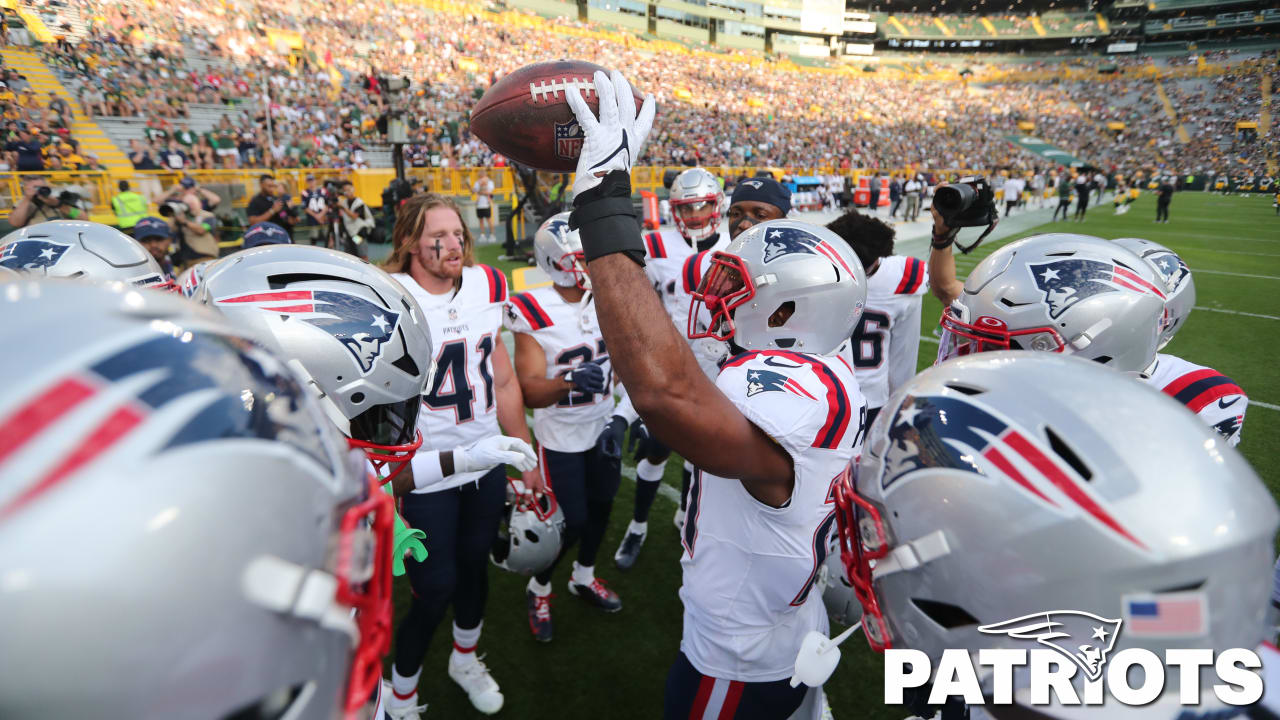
<point x="781" y="241"/>
<point x="1068" y="281"/>
<point x="1172" y="270"/>
<point x="31" y="254"/>
<point x="360" y="325"/>
<point x="1083" y="638"/>
<point x="759" y="381"/>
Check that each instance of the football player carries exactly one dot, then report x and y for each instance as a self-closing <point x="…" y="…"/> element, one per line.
<point x="58" y="249"/>
<point x="1216" y="398"/>
<point x="473" y="393"/>
<point x="885" y="345"/>
<point x="563" y="368"/>
<point x="768" y="437"/>
<point x="1085" y="296"/>
<point x="209" y="503"/>
<point x="965" y="485"/>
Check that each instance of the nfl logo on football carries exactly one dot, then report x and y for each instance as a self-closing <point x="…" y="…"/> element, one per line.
<point x="569" y="140"/>
<point x="1065" y="657"/>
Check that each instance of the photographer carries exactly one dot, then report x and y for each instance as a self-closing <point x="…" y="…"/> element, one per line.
<point x="195" y="229"/>
<point x="313" y="201"/>
<point x="967" y="203"/>
<point x="189" y="192"/>
<point x="269" y="205"/>
<point x="357" y="218"/>
<point x="39" y="204"/>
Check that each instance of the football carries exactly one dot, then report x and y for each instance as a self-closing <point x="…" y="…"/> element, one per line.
<point x="525" y="116"/>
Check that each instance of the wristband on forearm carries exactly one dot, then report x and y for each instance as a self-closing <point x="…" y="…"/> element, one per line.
<point x="606" y="220"/>
<point x="943" y="241"/>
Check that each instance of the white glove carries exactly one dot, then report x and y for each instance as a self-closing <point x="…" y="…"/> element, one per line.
<point x="616" y="140"/>
<point x="493" y="451"/>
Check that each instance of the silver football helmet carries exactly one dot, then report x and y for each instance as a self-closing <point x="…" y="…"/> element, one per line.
<point x="529" y="539"/>
<point x="1180" y="286"/>
<point x="697" y="204"/>
<point x="972" y="506"/>
<point x="782" y="284"/>
<point x="77" y="248"/>
<point x="558" y="251"/>
<point x="1074" y="294"/>
<point x="837" y="592"/>
<point x="172" y="497"/>
<point x="189" y="281"/>
<point x="355" y="334"/>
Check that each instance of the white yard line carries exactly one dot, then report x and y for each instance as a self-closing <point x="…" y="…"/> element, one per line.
<point x="1234" y="274"/>
<point x="1237" y="312"/>
<point x="1259" y="403"/>
<point x="664" y="489"/>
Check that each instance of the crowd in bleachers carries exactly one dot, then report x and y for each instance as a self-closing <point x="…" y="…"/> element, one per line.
<point x="326" y="105"/>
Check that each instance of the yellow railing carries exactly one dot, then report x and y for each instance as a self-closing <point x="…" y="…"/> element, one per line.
<point x="237" y="187"/>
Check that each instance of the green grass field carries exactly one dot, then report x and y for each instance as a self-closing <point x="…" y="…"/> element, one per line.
<point x="614" y="666"/>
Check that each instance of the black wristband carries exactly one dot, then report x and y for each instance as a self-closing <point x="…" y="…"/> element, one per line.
<point x="942" y="242"/>
<point x="606" y="220"/>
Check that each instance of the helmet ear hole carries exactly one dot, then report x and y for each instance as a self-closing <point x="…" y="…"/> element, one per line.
<point x="782" y="314"/>
<point x="531" y="536"/>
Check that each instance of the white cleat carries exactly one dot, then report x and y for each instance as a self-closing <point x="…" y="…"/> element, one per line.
<point x="482" y="690"/>
<point x="412" y="712"/>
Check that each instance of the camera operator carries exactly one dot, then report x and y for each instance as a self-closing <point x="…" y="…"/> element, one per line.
<point x="270" y="205"/>
<point x="357" y="218"/>
<point x="189" y="192"/>
<point x="39" y="204"/>
<point x="195" y="229"/>
<point x="967" y="203"/>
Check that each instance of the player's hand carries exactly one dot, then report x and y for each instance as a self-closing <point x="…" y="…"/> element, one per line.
<point x="610" y="441"/>
<point x="493" y="451"/>
<point x="614" y="140"/>
<point x="638" y="442"/>
<point x="587" y="377"/>
<point x="533" y="483"/>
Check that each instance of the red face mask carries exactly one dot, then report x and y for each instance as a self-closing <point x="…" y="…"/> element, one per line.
<point x="863" y="541"/>
<point x="726" y="285"/>
<point x="987" y="333"/>
<point x="363" y="570"/>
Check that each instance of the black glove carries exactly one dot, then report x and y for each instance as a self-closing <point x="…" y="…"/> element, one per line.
<point x="588" y="377"/>
<point x="610" y="441"/>
<point x="639" y="442"/>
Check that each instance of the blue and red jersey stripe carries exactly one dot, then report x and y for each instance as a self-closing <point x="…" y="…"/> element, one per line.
<point x="532" y="311"/>
<point x="693" y="271"/>
<point x="912" y="277"/>
<point x="654" y="245"/>
<point x="497" y="283"/>
<point x="838" y="408"/>
<point x="1198" y="389"/>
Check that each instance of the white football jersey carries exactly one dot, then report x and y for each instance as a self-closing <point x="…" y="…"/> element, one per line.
<point x="709" y="353"/>
<point x="568" y="334"/>
<point x="749" y="569"/>
<point x="886" y="342"/>
<point x="461" y="406"/>
<point x="1206" y="392"/>
<point x="665" y="252"/>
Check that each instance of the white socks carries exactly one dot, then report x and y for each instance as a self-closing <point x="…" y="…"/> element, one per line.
<point x="404" y="690"/>
<point x="638" y="527"/>
<point x="583" y="575"/>
<point x="649" y="472"/>
<point x="464" y="644"/>
<point x="538" y="588"/>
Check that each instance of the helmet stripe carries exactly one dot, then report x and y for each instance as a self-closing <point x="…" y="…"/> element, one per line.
<point x="41" y="412"/>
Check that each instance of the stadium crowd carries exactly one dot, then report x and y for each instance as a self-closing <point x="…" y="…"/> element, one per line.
<point x="326" y="105"/>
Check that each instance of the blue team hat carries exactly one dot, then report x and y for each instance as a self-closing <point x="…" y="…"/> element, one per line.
<point x="265" y="233"/>
<point x="149" y="227"/>
<point x="765" y="190"/>
<point x="187" y="182"/>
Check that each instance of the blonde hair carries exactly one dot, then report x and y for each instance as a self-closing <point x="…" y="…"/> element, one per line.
<point x="411" y="220"/>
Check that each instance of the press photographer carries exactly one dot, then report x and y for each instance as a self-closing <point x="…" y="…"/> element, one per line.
<point x="40" y="203"/>
<point x="968" y="202"/>
<point x="194" y="227"/>
<point x="357" y="219"/>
